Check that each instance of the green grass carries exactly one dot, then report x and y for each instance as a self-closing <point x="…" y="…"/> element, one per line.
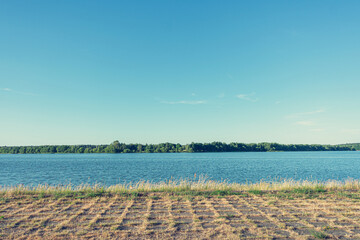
<point x="319" y="235"/>
<point x="77" y="194"/>
<point x="256" y="192"/>
<point x="355" y="196"/>
<point x="308" y="190"/>
<point x="205" y="193"/>
<point x="201" y="187"/>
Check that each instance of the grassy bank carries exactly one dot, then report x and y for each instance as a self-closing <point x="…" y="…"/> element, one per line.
<point x="183" y="209"/>
<point x="196" y="187"/>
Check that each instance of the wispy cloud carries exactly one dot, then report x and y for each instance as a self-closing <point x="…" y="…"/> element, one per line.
<point x="16" y="92"/>
<point x="305" y="123"/>
<point x="295" y="115"/>
<point x="247" y="97"/>
<point x="185" y="102"/>
<point x="221" y="95"/>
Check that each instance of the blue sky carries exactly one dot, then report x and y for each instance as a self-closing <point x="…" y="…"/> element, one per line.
<point x="90" y="72"/>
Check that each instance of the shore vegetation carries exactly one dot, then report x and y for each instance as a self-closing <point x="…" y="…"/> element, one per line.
<point x="117" y="147"/>
<point x="200" y="186"/>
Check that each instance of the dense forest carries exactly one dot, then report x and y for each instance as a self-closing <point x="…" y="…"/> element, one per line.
<point x="355" y="146"/>
<point x="117" y="147"/>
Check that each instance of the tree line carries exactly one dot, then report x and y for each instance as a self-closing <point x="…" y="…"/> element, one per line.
<point x="355" y="146"/>
<point x="117" y="147"/>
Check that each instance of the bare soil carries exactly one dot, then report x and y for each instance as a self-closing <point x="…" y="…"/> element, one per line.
<point x="165" y="216"/>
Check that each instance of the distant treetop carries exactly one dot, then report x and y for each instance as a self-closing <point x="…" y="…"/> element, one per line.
<point x="117" y="147"/>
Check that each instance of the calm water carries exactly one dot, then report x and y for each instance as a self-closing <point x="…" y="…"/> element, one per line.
<point x="119" y="168"/>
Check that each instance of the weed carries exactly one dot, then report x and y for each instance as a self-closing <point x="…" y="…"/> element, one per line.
<point x="349" y="195"/>
<point x="308" y="190"/>
<point x="175" y="198"/>
<point x="319" y="235"/>
<point x="325" y="228"/>
<point x="41" y="195"/>
<point x="190" y="199"/>
<point x="311" y="196"/>
<point x="134" y="195"/>
<point x="220" y="193"/>
<point x="2" y="218"/>
<point x="256" y="192"/>
<point x="94" y="194"/>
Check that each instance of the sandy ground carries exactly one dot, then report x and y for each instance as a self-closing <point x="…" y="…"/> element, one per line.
<point x="160" y="216"/>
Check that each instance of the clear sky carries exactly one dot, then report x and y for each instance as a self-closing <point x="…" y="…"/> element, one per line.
<point x="90" y="72"/>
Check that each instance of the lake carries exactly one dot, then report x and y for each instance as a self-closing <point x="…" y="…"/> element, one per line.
<point x="241" y="167"/>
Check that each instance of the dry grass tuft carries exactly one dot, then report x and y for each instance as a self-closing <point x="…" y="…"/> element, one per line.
<point x="200" y="184"/>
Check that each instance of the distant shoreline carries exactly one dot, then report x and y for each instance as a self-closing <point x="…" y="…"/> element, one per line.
<point x="117" y="147"/>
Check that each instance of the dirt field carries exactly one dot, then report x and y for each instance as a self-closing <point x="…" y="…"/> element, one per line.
<point x="161" y="216"/>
